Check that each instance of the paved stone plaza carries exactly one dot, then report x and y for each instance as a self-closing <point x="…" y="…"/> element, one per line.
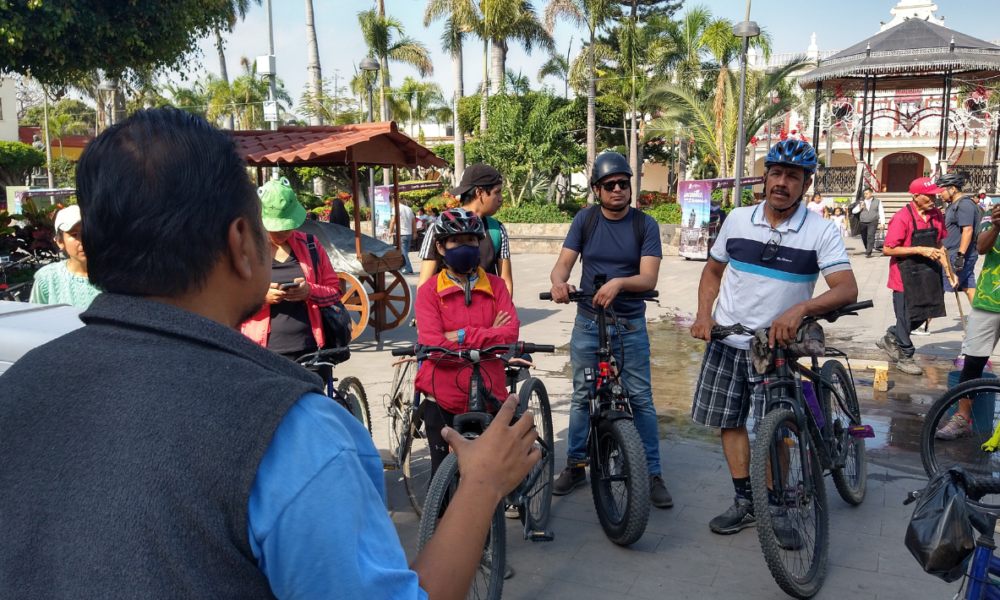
<point x="678" y="557"/>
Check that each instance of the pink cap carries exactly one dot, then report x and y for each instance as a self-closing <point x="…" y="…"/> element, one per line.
<point x="924" y="186"/>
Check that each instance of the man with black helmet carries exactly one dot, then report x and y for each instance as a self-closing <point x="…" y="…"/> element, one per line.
<point x="775" y="252"/>
<point x="623" y="244"/>
<point x="961" y="218"/>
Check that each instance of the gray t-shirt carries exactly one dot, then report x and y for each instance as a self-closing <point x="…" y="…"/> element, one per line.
<point x="961" y="213"/>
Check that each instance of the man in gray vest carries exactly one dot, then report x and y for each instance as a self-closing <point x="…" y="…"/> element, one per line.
<point x="872" y="218"/>
<point x="163" y="455"/>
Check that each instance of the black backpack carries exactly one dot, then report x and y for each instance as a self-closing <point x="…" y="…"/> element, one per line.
<point x="590" y="225"/>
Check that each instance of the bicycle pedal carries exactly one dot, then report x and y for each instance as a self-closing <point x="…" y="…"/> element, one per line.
<point x="388" y="466"/>
<point x="861" y="431"/>
<point x="541" y="536"/>
<point x="581" y="464"/>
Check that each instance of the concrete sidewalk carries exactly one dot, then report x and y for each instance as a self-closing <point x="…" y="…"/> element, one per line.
<point x="678" y="557"/>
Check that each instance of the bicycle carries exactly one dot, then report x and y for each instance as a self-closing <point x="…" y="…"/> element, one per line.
<point x="350" y="393"/>
<point x="811" y="424"/>
<point x="10" y="269"/>
<point x="619" y="477"/>
<point x="532" y="497"/>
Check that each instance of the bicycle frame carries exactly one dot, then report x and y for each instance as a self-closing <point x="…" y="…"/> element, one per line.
<point x="983" y="565"/>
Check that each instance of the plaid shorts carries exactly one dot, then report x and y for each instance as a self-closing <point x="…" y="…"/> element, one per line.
<point x="727" y="387"/>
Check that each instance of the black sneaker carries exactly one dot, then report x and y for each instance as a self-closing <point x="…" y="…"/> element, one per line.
<point x="737" y="517"/>
<point x="658" y="493"/>
<point x="570" y="479"/>
<point x="784" y="531"/>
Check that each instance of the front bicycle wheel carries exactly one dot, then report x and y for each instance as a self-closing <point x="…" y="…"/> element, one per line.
<point x="619" y="480"/>
<point x="792" y="514"/>
<point x="487" y="583"/>
<point x="534" y="397"/>
<point x="851" y="479"/>
<point x="398" y="404"/>
<point x="968" y="443"/>
<point x="351" y="388"/>
<point x="416" y="466"/>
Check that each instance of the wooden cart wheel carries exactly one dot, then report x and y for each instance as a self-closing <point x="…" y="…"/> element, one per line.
<point x="355" y="299"/>
<point x="397" y="300"/>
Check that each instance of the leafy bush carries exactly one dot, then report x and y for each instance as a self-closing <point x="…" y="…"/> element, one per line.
<point x="748" y="197"/>
<point x="366" y="213"/>
<point x="533" y="212"/>
<point x="649" y="199"/>
<point x="16" y="162"/>
<point x="666" y="213"/>
<point x="418" y="198"/>
<point x="442" y="202"/>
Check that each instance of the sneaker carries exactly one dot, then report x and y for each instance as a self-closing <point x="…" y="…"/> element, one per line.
<point x="511" y="511"/>
<point x="658" y="493"/>
<point x="957" y="427"/>
<point x="909" y="366"/>
<point x="784" y="531"/>
<point x="922" y="330"/>
<point x="737" y="517"/>
<point x="570" y="479"/>
<point x="889" y="346"/>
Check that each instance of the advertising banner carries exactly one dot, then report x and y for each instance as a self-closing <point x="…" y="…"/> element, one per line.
<point x="695" y="198"/>
<point x="382" y="211"/>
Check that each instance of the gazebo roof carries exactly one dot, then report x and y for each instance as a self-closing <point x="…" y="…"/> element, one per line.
<point x="334" y="145"/>
<point x="909" y="55"/>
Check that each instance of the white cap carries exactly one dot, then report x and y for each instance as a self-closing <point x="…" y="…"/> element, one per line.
<point x="67" y="218"/>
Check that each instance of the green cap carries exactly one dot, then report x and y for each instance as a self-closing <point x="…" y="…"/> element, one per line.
<point x="281" y="209"/>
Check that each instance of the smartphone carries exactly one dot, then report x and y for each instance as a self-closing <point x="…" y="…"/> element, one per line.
<point x="288" y="286"/>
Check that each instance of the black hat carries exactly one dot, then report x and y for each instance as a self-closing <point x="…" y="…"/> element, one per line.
<point x="477" y="175"/>
<point x="609" y="163"/>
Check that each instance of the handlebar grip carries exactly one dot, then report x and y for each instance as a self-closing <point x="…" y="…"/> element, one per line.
<point x="857" y="306"/>
<point x="408" y="351"/>
<point x="532" y="348"/>
<point x="545" y="296"/>
<point x="640" y="295"/>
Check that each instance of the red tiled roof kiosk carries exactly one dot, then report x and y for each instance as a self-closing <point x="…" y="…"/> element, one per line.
<point x="369" y="144"/>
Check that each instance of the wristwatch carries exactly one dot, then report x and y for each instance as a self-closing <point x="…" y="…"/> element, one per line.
<point x="461" y="337"/>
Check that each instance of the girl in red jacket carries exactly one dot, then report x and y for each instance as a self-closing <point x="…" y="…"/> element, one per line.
<point x="463" y="307"/>
<point x="289" y="322"/>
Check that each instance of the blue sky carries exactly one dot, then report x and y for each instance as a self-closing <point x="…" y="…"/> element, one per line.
<point x="837" y="24"/>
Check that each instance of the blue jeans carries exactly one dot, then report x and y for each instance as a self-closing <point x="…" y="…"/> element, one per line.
<point x="404" y="245"/>
<point x="636" y="377"/>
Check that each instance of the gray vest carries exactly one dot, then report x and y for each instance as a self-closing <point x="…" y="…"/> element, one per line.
<point x="129" y="450"/>
<point x="870" y="215"/>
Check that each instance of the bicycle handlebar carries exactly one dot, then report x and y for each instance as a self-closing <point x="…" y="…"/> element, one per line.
<point x="577" y="296"/>
<point x="335" y="355"/>
<point x="719" y="331"/>
<point x="421" y="351"/>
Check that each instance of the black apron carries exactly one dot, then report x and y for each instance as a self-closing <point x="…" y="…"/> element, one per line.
<point x="923" y="287"/>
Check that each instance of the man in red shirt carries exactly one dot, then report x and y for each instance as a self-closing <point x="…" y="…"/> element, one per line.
<point x="920" y="214"/>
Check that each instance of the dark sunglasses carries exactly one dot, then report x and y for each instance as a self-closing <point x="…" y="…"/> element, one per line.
<point x="771" y="248"/>
<point x="622" y="184"/>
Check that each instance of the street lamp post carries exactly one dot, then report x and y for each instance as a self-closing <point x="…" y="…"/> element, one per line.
<point x="746" y="30"/>
<point x="370" y="65"/>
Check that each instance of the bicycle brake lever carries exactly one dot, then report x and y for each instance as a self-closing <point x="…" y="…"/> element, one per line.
<point x="911" y="497"/>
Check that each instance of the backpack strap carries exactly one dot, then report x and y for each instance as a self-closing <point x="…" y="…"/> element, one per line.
<point x="314" y="255"/>
<point x="493" y="229"/>
<point x="639" y="227"/>
<point x="590" y="225"/>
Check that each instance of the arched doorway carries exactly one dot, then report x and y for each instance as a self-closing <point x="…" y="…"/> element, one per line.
<point x="901" y="169"/>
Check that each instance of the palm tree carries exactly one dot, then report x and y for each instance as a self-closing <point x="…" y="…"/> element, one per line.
<point x="593" y="14"/>
<point x="238" y="8"/>
<point x="558" y="66"/>
<point x="61" y="126"/>
<point x="192" y="99"/>
<point x="686" y="35"/>
<point x="461" y="19"/>
<point x="244" y="97"/>
<point x="422" y="100"/>
<point x="510" y="21"/>
<point x="315" y="73"/>
<point x="516" y="83"/>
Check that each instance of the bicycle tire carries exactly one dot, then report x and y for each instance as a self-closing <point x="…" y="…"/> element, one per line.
<point x="622" y="455"/>
<point x="489" y="574"/>
<point x="400" y="401"/>
<point x="534" y="397"/>
<point x="352" y="388"/>
<point x="809" y="582"/>
<point x="966" y="452"/>
<point x="416" y="467"/>
<point x="851" y="480"/>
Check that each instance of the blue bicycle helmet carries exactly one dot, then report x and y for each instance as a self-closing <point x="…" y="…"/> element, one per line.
<point x="795" y="153"/>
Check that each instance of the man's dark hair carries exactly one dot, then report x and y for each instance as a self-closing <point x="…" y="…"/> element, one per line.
<point x="158" y="193"/>
<point x="469" y="195"/>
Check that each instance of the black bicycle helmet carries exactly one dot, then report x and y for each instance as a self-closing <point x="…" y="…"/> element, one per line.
<point x="955" y="179"/>
<point x="795" y="153"/>
<point x="458" y="221"/>
<point x="609" y="163"/>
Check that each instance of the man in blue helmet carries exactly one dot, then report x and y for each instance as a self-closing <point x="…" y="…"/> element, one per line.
<point x="775" y="252"/>
<point x="624" y="244"/>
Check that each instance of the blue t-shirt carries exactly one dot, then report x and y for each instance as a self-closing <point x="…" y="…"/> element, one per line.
<point x="317" y="518"/>
<point x="613" y="250"/>
<point x="960" y="214"/>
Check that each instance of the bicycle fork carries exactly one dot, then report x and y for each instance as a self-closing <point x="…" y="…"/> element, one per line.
<point x="983" y="565"/>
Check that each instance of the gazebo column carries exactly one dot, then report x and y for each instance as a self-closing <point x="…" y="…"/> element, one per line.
<point x="871" y="124"/>
<point x="945" y="115"/>
<point x="816" y="114"/>
<point x="864" y="117"/>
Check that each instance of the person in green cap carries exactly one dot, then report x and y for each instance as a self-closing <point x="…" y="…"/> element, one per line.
<point x="289" y="322"/>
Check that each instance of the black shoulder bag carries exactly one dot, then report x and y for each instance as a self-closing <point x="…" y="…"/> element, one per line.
<point x="337" y="323"/>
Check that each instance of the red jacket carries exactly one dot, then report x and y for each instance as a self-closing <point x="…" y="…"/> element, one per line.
<point x="440" y="307"/>
<point x="324" y="293"/>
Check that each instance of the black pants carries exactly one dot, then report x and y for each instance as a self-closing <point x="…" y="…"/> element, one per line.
<point x="901" y="330"/>
<point x="435" y="419"/>
<point x="868" y="236"/>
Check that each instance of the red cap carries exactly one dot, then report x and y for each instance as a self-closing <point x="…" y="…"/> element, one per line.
<point x="924" y="186"/>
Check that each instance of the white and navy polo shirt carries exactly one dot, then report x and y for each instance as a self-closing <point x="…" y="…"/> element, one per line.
<point x="756" y="292"/>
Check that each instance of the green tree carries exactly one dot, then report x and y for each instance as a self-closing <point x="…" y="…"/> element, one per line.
<point x="61" y="126"/>
<point x="237" y="10"/>
<point x="79" y="110"/>
<point x="423" y="99"/>
<point x="59" y="41"/>
<point x="243" y="98"/>
<point x="193" y="99"/>
<point x="506" y="21"/>
<point x="557" y="66"/>
<point x="16" y="162"/>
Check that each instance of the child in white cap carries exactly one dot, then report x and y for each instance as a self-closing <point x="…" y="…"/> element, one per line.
<point x="66" y="282"/>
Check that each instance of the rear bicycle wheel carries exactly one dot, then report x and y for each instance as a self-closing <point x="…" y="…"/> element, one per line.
<point x="487" y="583"/>
<point x="965" y="448"/>
<point x="416" y="461"/>
<point x="851" y="479"/>
<point x="794" y="535"/>
<point x="352" y="389"/>
<point x="619" y="480"/>
<point x="398" y="404"/>
<point x="534" y="397"/>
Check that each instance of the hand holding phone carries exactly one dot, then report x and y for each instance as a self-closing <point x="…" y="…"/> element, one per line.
<point x="288" y="286"/>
